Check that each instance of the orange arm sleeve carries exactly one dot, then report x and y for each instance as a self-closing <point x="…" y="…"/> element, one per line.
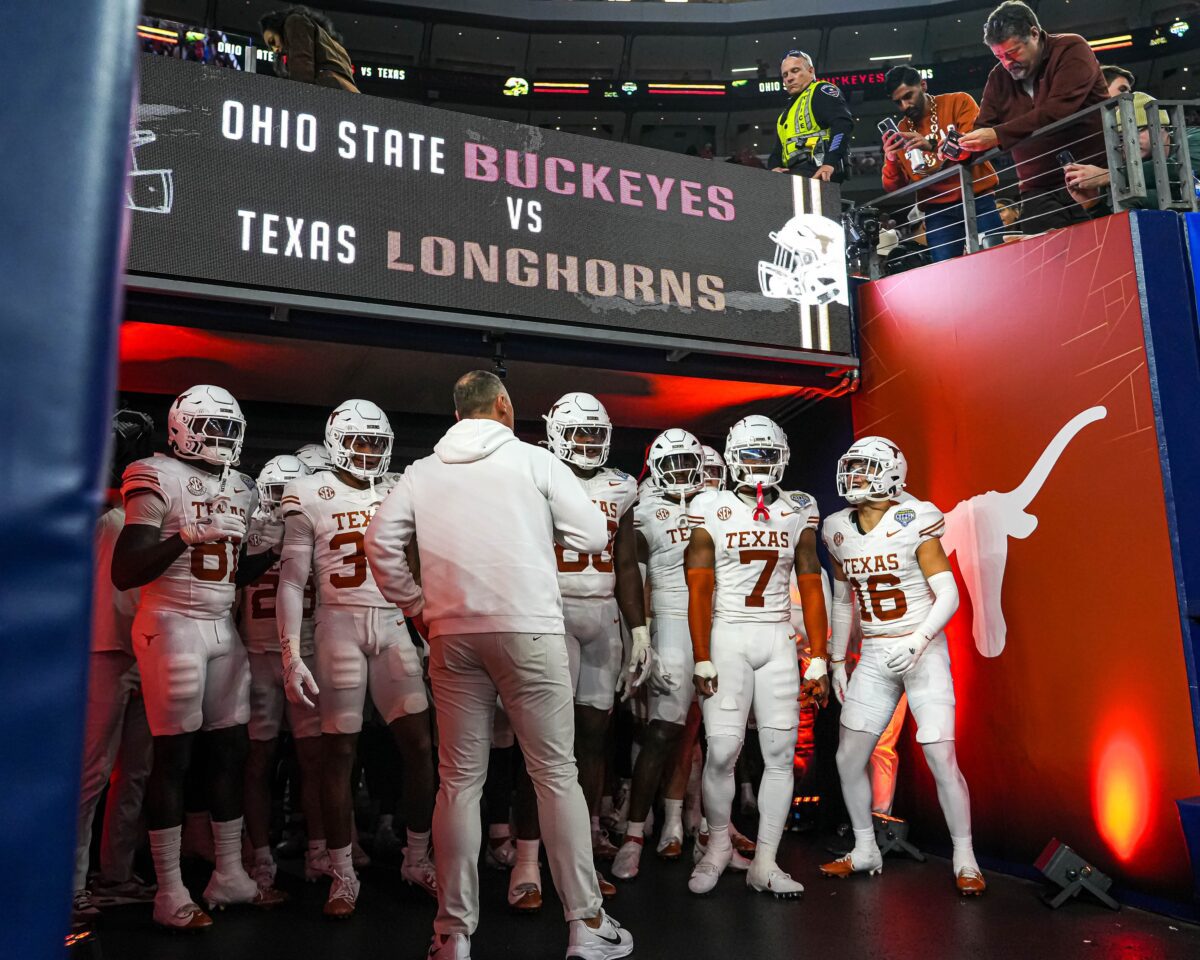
<point x="816" y="619"/>
<point x="701" y="581"/>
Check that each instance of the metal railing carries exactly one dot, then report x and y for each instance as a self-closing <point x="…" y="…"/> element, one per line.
<point x="1175" y="183"/>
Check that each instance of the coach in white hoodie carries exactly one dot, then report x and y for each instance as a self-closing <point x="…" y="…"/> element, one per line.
<point x="485" y="511"/>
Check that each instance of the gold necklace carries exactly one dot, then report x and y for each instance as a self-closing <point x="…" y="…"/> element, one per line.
<point x="931" y="159"/>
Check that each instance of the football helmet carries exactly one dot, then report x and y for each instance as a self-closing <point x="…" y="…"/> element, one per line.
<point x="810" y="262"/>
<point x="206" y="423"/>
<point x="315" y="457"/>
<point x="578" y="430"/>
<point x="878" y="462"/>
<point x="275" y="475"/>
<point x="714" y="469"/>
<point x="756" y="451"/>
<point x="359" y="439"/>
<point x="676" y="461"/>
<point x="149" y="191"/>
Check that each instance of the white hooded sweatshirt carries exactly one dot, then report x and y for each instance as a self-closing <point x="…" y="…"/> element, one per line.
<point x="485" y="510"/>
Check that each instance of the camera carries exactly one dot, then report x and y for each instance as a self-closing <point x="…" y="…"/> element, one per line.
<point x="861" y="225"/>
<point x="914" y="155"/>
<point x="950" y="148"/>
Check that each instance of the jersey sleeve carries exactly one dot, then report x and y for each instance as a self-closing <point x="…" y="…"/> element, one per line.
<point x="930" y="522"/>
<point x="699" y="508"/>
<point x="292" y="501"/>
<point x="252" y="488"/>
<point x="828" y="529"/>
<point x="629" y="494"/>
<point x="143" y="476"/>
<point x="805" y="505"/>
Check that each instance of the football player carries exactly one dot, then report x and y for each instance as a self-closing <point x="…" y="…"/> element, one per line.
<point x="267" y="699"/>
<point x="676" y="463"/>
<point x="739" y="560"/>
<point x="361" y="642"/>
<point x="888" y="552"/>
<point x="315" y="457"/>
<point x="714" y="469"/>
<point x="185" y="519"/>
<point x="598" y="590"/>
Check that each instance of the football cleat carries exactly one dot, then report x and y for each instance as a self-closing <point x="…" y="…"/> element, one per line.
<point x="455" y="946"/>
<point x="607" y="889"/>
<point x="669" y="847"/>
<point x="842" y="867"/>
<point x="768" y="878"/>
<point x="970" y="882"/>
<point x="736" y="862"/>
<point x="227" y="891"/>
<point x="525" y="887"/>
<point x="741" y="843"/>
<point x="628" y="859"/>
<point x="708" y="871"/>
<point x="180" y="914"/>
<point x="420" y="873"/>
<point x="602" y="847"/>
<point x="316" y="865"/>
<point x="343" y="896"/>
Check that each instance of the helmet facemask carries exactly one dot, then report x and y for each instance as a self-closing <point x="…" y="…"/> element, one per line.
<point x="213" y="439"/>
<point x="583" y="444"/>
<point x="757" y="463"/>
<point x="862" y="478"/>
<point x="363" y="455"/>
<point x="678" y="473"/>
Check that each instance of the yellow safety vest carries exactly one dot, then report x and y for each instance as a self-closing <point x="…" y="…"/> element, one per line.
<point x="798" y="130"/>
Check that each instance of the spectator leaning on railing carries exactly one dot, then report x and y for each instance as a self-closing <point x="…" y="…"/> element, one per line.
<point x="1118" y="80"/>
<point x="814" y="131"/>
<point x="1041" y="78"/>
<point x="307" y="48"/>
<point x="924" y="121"/>
<point x="1088" y="184"/>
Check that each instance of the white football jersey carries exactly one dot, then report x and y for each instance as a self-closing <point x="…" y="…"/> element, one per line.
<point x="339" y="515"/>
<point x="666" y="527"/>
<point x="754" y="558"/>
<point x="593" y="575"/>
<point x="256" y="622"/>
<point x="893" y="596"/>
<point x="200" y="581"/>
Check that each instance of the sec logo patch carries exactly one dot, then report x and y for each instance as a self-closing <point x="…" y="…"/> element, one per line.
<point x="724" y="513"/>
<point x="838" y="539"/>
<point x="661" y="513"/>
<point x="326" y="493"/>
<point x="195" y="486"/>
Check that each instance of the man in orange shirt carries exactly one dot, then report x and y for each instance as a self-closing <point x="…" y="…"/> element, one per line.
<point x="923" y="124"/>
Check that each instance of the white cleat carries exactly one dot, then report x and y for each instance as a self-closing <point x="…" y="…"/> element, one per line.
<point x="736" y="861"/>
<point x="607" y="942"/>
<point x="769" y="878"/>
<point x="455" y="946"/>
<point x="708" y="871"/>
<point x="842" y="867"/>
<point x="628" y="860"/>
<point x="343" y="896"/>
<point x="226" y="890"/>
<point x="420" y="873"/>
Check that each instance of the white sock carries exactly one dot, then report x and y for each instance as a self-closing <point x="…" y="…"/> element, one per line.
<point x="718" y="839"/>
<point x="672" y="818"/>
<point x="499" y="831"/>
<point x="164" y="848"/>
<point x="227" y="846"/>
<point x="263" y="855"/>
<point x="864" y="843"/>
<point x="704" y="825"/>
<point x="635" y="830"/>
<point x="964" y="854"/>
<point x="418" y="846"/>
<point x="527" y="851"/>
<point x="341" y="860"/>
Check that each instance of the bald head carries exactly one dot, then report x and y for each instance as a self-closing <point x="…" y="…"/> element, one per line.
<point x="480" y="395"/>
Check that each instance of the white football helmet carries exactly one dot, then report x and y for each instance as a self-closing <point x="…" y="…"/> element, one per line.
<point x="872" y="470"/>
<point x="206" y="423"/>
<point x="359" y="439"/>
<point x="676" y="461"/>
<point x="810" y="262"/>
<point x="578" y="430"/>
<point x="315" y="457"/>
<point x="275" y="475"/>
<point x="756" y="451"/>
<point x="714" y="469"/>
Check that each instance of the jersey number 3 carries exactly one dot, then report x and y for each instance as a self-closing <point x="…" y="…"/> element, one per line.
<point x="356" y="560"/>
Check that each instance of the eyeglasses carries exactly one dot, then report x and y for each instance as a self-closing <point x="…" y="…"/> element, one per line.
<point x="797" y="53"/>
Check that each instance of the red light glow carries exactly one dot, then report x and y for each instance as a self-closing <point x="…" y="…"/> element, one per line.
<point x="1121" y="794"/>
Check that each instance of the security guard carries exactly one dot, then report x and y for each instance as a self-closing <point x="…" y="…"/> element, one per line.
<point x="814" y="131"/>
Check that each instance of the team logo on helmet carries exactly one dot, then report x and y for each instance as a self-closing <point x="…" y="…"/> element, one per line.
<point x="838" y="539"/>
<point x="724" y="513"/>
<point x="195" y="486"/>
<point x="905" y="517"/>
<point x="326" y="493"/>
<point x="662" y="513"/>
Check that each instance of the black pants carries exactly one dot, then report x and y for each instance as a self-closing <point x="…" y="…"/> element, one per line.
<point x="1049" y="211"/>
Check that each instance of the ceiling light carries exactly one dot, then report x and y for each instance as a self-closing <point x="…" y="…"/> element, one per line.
<point x="743" y="69"/>
<point x="894" y="56"/>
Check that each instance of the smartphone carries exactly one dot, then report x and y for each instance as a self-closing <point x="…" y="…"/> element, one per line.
<point x="1064" y="157"/>
<point x="887" y="125"/>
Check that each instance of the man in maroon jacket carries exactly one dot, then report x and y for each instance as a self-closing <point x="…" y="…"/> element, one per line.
<point x="1041" y="77"/>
